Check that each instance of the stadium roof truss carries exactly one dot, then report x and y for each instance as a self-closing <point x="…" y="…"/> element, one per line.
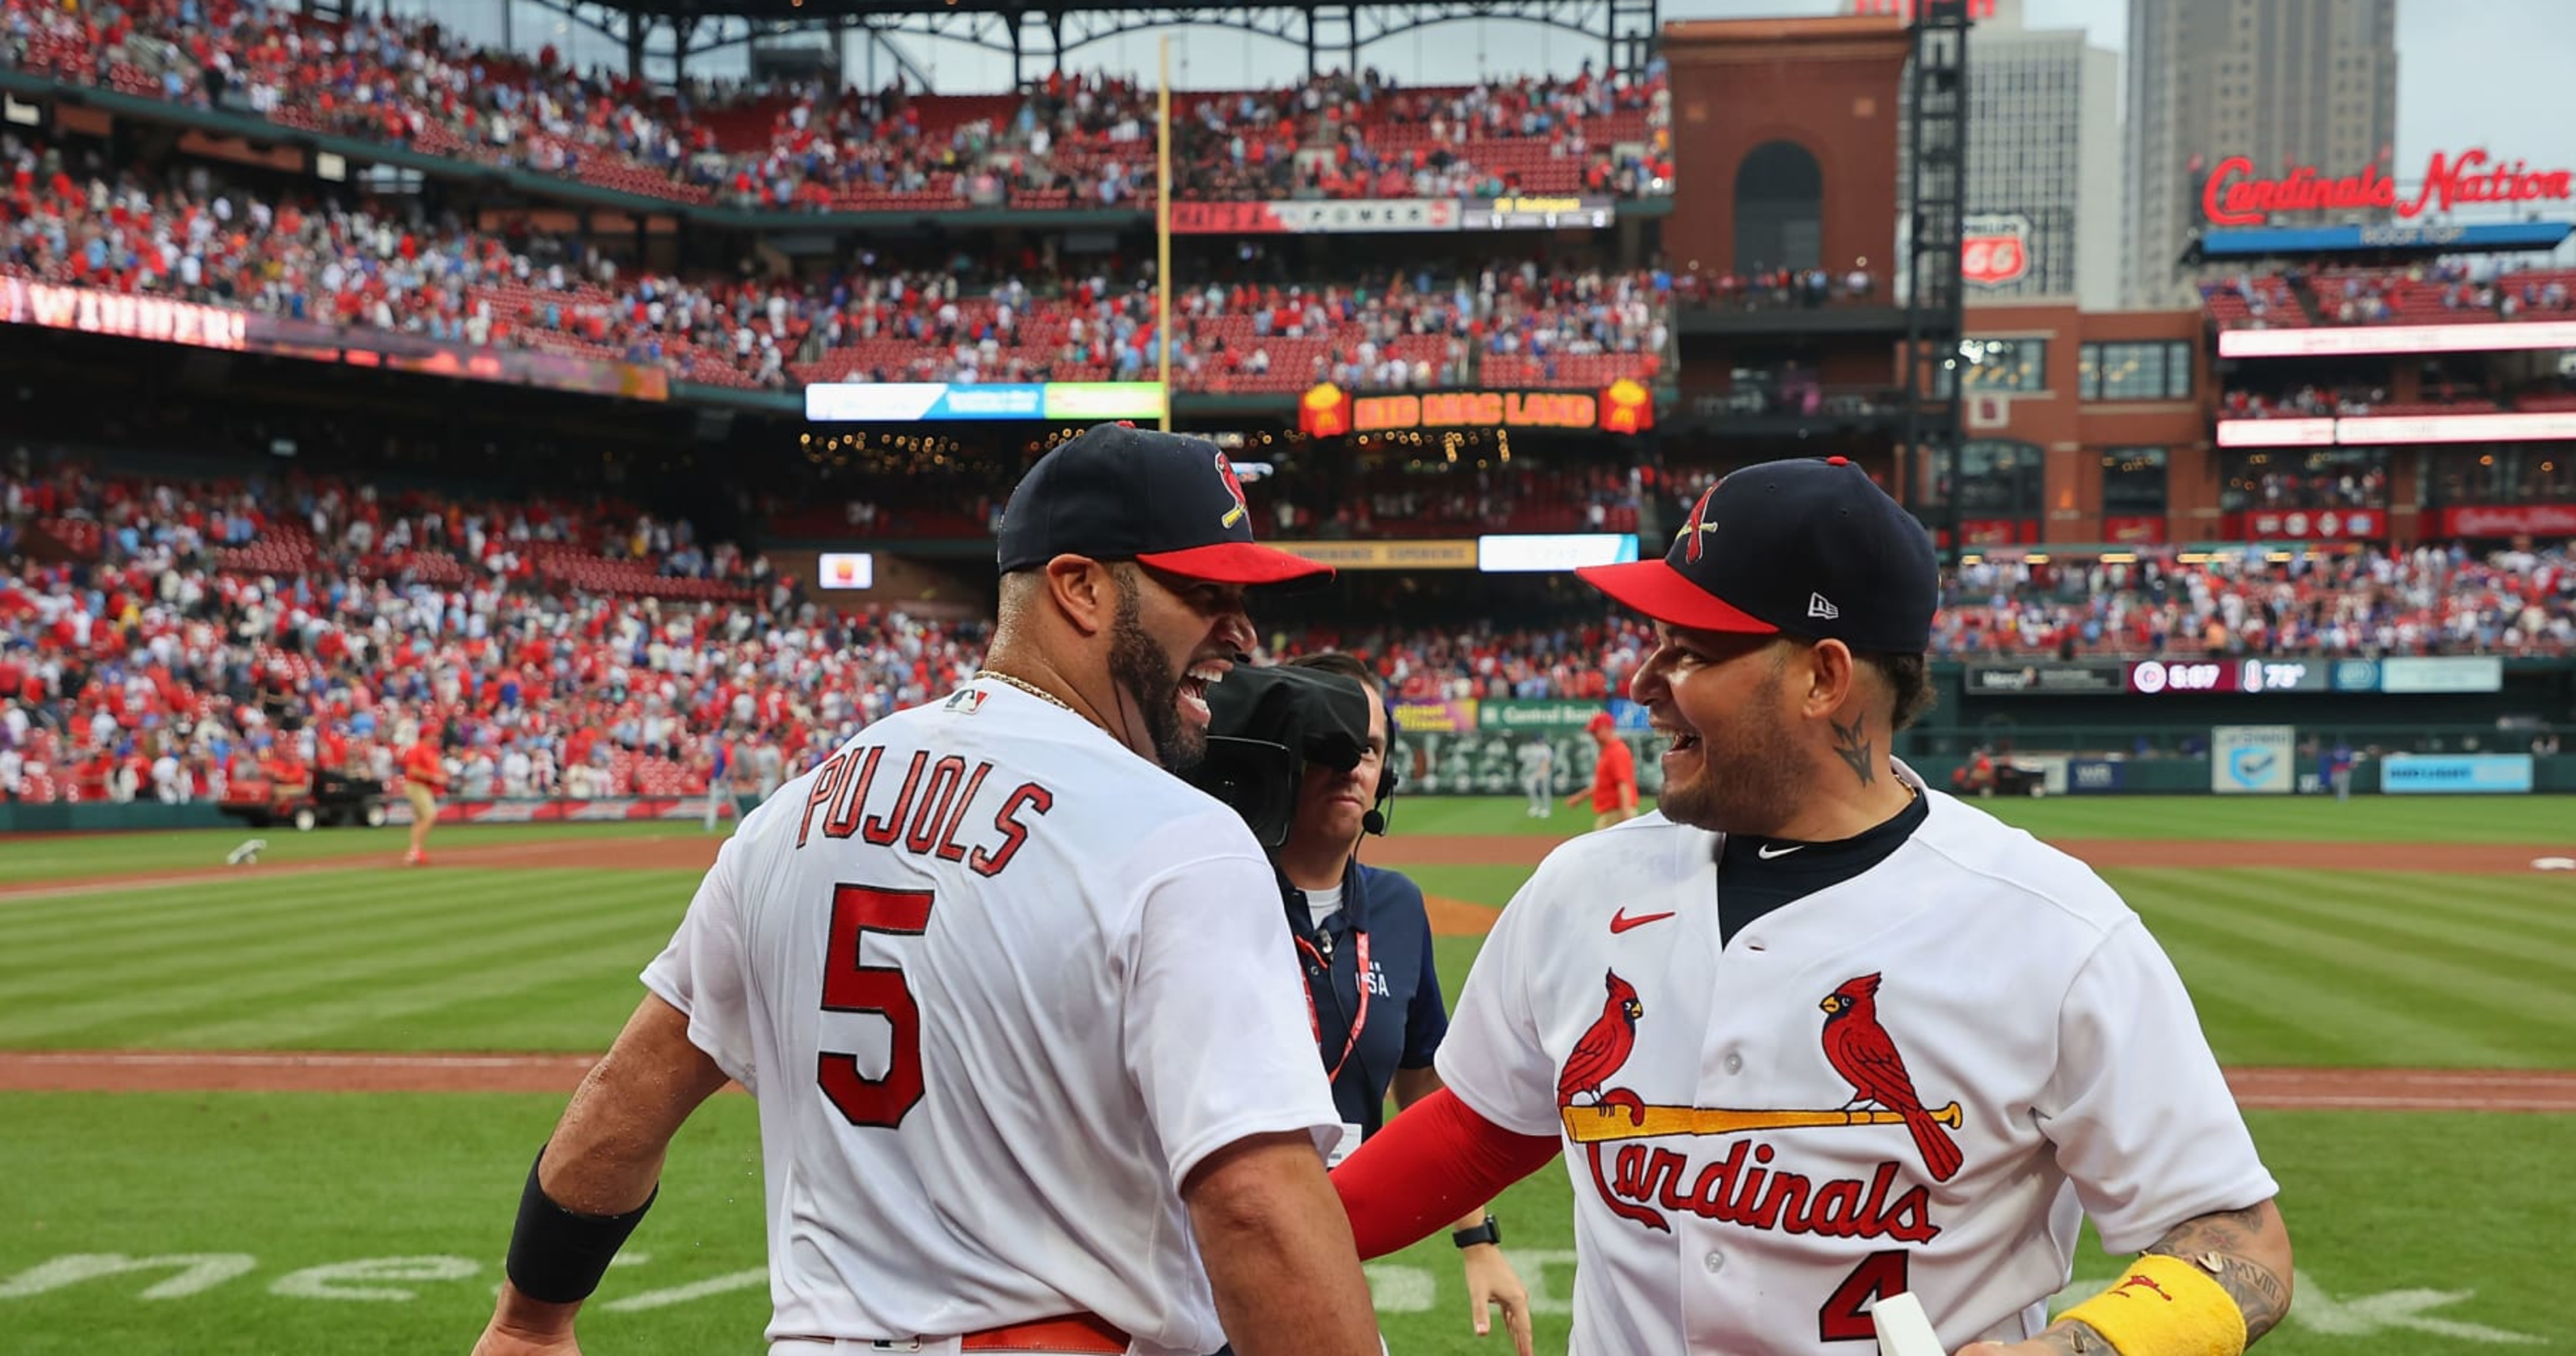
<point x="1042" y="37"/>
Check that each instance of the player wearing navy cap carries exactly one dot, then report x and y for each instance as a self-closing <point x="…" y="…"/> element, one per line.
<point x="1032" y="1059"/>
<point x="1813" y="1033"/>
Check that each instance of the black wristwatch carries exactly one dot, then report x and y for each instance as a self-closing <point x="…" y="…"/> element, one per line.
<point x="1487" y="1232"/>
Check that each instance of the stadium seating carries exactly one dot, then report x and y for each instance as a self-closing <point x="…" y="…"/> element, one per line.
<point x="1563" y="329"/>
<point x="1065" y="141"/>
<point x="2440" y="293"/>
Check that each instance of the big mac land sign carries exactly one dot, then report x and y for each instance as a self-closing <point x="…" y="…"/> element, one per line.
<point x="1328" y="411"/>
<point x="2235" y="195"/>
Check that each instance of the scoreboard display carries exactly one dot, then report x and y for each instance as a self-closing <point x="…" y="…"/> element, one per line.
<point x="2156" y="677"/>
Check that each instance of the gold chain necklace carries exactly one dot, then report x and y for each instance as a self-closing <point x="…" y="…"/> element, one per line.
<point x="1025" y="686"/>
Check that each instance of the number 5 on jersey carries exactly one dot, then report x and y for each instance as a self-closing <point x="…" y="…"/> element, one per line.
<point x="851" y="987"/>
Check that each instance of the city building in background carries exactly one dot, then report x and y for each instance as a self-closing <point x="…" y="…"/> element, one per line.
<point x="2043" y="165"/>
<point x="2282" y="83"/>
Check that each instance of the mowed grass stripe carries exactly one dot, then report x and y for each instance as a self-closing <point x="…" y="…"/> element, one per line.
<point x="577" y="1011"/>
<point x="215" y="911"/>
<point x="2396" y="819"/>
<point x="2397" y="965"/>
<point x="224" y="944"/>
<point x="2283" y="994"/>
<point x="615" y="909"/>
<point x="2407" y="912"/>
<point x="2255" y="1012"/>
<point x="322" y="1014"/>
<point x="2515" y="924"/>
<point x="72" y="856"/>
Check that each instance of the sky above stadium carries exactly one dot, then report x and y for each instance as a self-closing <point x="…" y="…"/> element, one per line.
<point x="2488" y="73"/>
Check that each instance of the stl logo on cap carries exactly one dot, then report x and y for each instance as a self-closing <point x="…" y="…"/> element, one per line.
<point x="1233" y="486"/>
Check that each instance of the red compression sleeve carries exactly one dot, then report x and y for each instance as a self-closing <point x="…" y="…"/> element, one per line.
<point x="1426" y="1167"/>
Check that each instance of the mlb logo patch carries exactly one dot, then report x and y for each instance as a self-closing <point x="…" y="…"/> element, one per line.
<point x="965" y="701"/>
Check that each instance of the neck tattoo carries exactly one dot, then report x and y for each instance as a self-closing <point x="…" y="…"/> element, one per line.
<point x="1025" y="686"/>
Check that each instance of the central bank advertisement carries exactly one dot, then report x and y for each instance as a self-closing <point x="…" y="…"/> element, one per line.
<point x="1471" y="747"/>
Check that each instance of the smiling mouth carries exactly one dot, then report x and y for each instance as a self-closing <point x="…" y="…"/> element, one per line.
<point x="1195" y="685"/>
<point x="1682" y="740"/>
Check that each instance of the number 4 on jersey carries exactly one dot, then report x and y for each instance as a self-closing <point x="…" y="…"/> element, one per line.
<point x="1845" y="1315"/>
<point x="851" y="987"/>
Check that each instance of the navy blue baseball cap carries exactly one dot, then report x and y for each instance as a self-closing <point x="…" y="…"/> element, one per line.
<point x="1117" y="492"/>
<point x="1806" y="547"/>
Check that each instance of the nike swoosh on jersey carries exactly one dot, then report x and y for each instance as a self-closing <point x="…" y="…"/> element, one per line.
<point x="1621" y="922"/>
<point x="1765" y="853"/>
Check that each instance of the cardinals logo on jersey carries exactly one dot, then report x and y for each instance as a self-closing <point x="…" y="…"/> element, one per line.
<point x="1639" y="1183"/>
<point x="1861" y="1051"/>
<point x="1233" y="486"/>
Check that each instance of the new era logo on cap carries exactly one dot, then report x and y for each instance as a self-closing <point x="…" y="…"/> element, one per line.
<point x="1871" y="578"/>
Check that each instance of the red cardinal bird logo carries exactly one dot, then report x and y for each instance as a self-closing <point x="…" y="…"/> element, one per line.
<point x="1603" y="1048"/>
<point x="1859" y="1049"/>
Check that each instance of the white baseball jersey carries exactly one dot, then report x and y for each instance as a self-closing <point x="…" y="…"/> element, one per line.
<point x="2056" y="1070"/>
<point x="999" y="985"/>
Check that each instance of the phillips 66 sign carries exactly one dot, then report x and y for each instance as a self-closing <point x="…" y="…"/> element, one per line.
<point x="1994" y="249"/>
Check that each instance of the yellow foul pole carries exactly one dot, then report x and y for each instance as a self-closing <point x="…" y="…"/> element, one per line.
<point x="1163" y="230"/>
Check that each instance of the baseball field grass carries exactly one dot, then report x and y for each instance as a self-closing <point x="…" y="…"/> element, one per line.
<point x="288" y="1223"/>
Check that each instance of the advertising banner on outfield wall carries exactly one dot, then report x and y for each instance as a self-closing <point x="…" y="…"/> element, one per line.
<point x="1385" y="555"/>
<point x="2095" y="776"/>
<point x="2022" y="680"/>
<point x="915" y="402"/>
<point x="1497" y="762"/>
<point x="2252" y="760"/>
<point x="1541" y="715"/>
<point x="2421" y="674"/>
<point x="1540" y="212"/>
<point x="603" y="810"/>
<point x="1457" y="717"/>
<point x="1358" y="216"/>
<point x="2425" y="774"/>
<point x="161" y="320"/>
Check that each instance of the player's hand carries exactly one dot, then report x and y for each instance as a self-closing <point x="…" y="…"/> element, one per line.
<point x="499" y="1340"/>
<point x="1491" y="1281"/>
<point x="521" y="1326"/>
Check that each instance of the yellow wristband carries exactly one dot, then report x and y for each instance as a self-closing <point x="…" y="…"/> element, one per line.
<point x="2165" y="1306"/>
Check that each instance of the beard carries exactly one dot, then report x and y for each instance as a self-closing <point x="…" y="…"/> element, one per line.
<point x="1138" y="666"/>
<point x="1748" y="774"/>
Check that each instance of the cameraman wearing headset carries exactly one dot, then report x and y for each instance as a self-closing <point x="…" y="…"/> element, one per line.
<point x="1300" y="750"/>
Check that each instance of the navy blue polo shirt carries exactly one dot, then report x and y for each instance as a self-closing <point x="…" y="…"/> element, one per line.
<point x="1406" y="1017"/>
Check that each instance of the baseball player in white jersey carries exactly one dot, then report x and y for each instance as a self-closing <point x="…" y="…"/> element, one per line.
<point x="1813" y="1033"/>
<point x="1023" y="1019"/>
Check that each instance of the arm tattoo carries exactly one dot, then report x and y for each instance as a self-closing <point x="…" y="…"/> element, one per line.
<point x="1852" y="743"/>
<point x="2074" y="1339"/>
<point x="2215" y="1244"/>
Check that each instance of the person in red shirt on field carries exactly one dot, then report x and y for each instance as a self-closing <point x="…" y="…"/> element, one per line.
<point x="424" y="781"/>
<point x="1614" y="777"/>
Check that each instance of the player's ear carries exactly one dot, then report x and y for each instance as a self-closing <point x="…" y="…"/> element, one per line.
<point x="1828" y="671"/>
<point x="1084" y="592"/>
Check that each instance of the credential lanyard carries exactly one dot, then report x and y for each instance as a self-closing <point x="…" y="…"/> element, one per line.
<point x="1359" y="1021"/>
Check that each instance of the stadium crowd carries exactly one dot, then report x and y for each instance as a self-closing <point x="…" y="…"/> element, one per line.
<point x="2437" y="292"/>
<point x="1063" y="141"/>
<point x="70" y="220"/>
<point x="176" y="639"/>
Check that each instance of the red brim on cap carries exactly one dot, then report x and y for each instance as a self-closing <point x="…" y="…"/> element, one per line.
<point x="1655" y="588"/>
<point x="1238" y="562"/>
